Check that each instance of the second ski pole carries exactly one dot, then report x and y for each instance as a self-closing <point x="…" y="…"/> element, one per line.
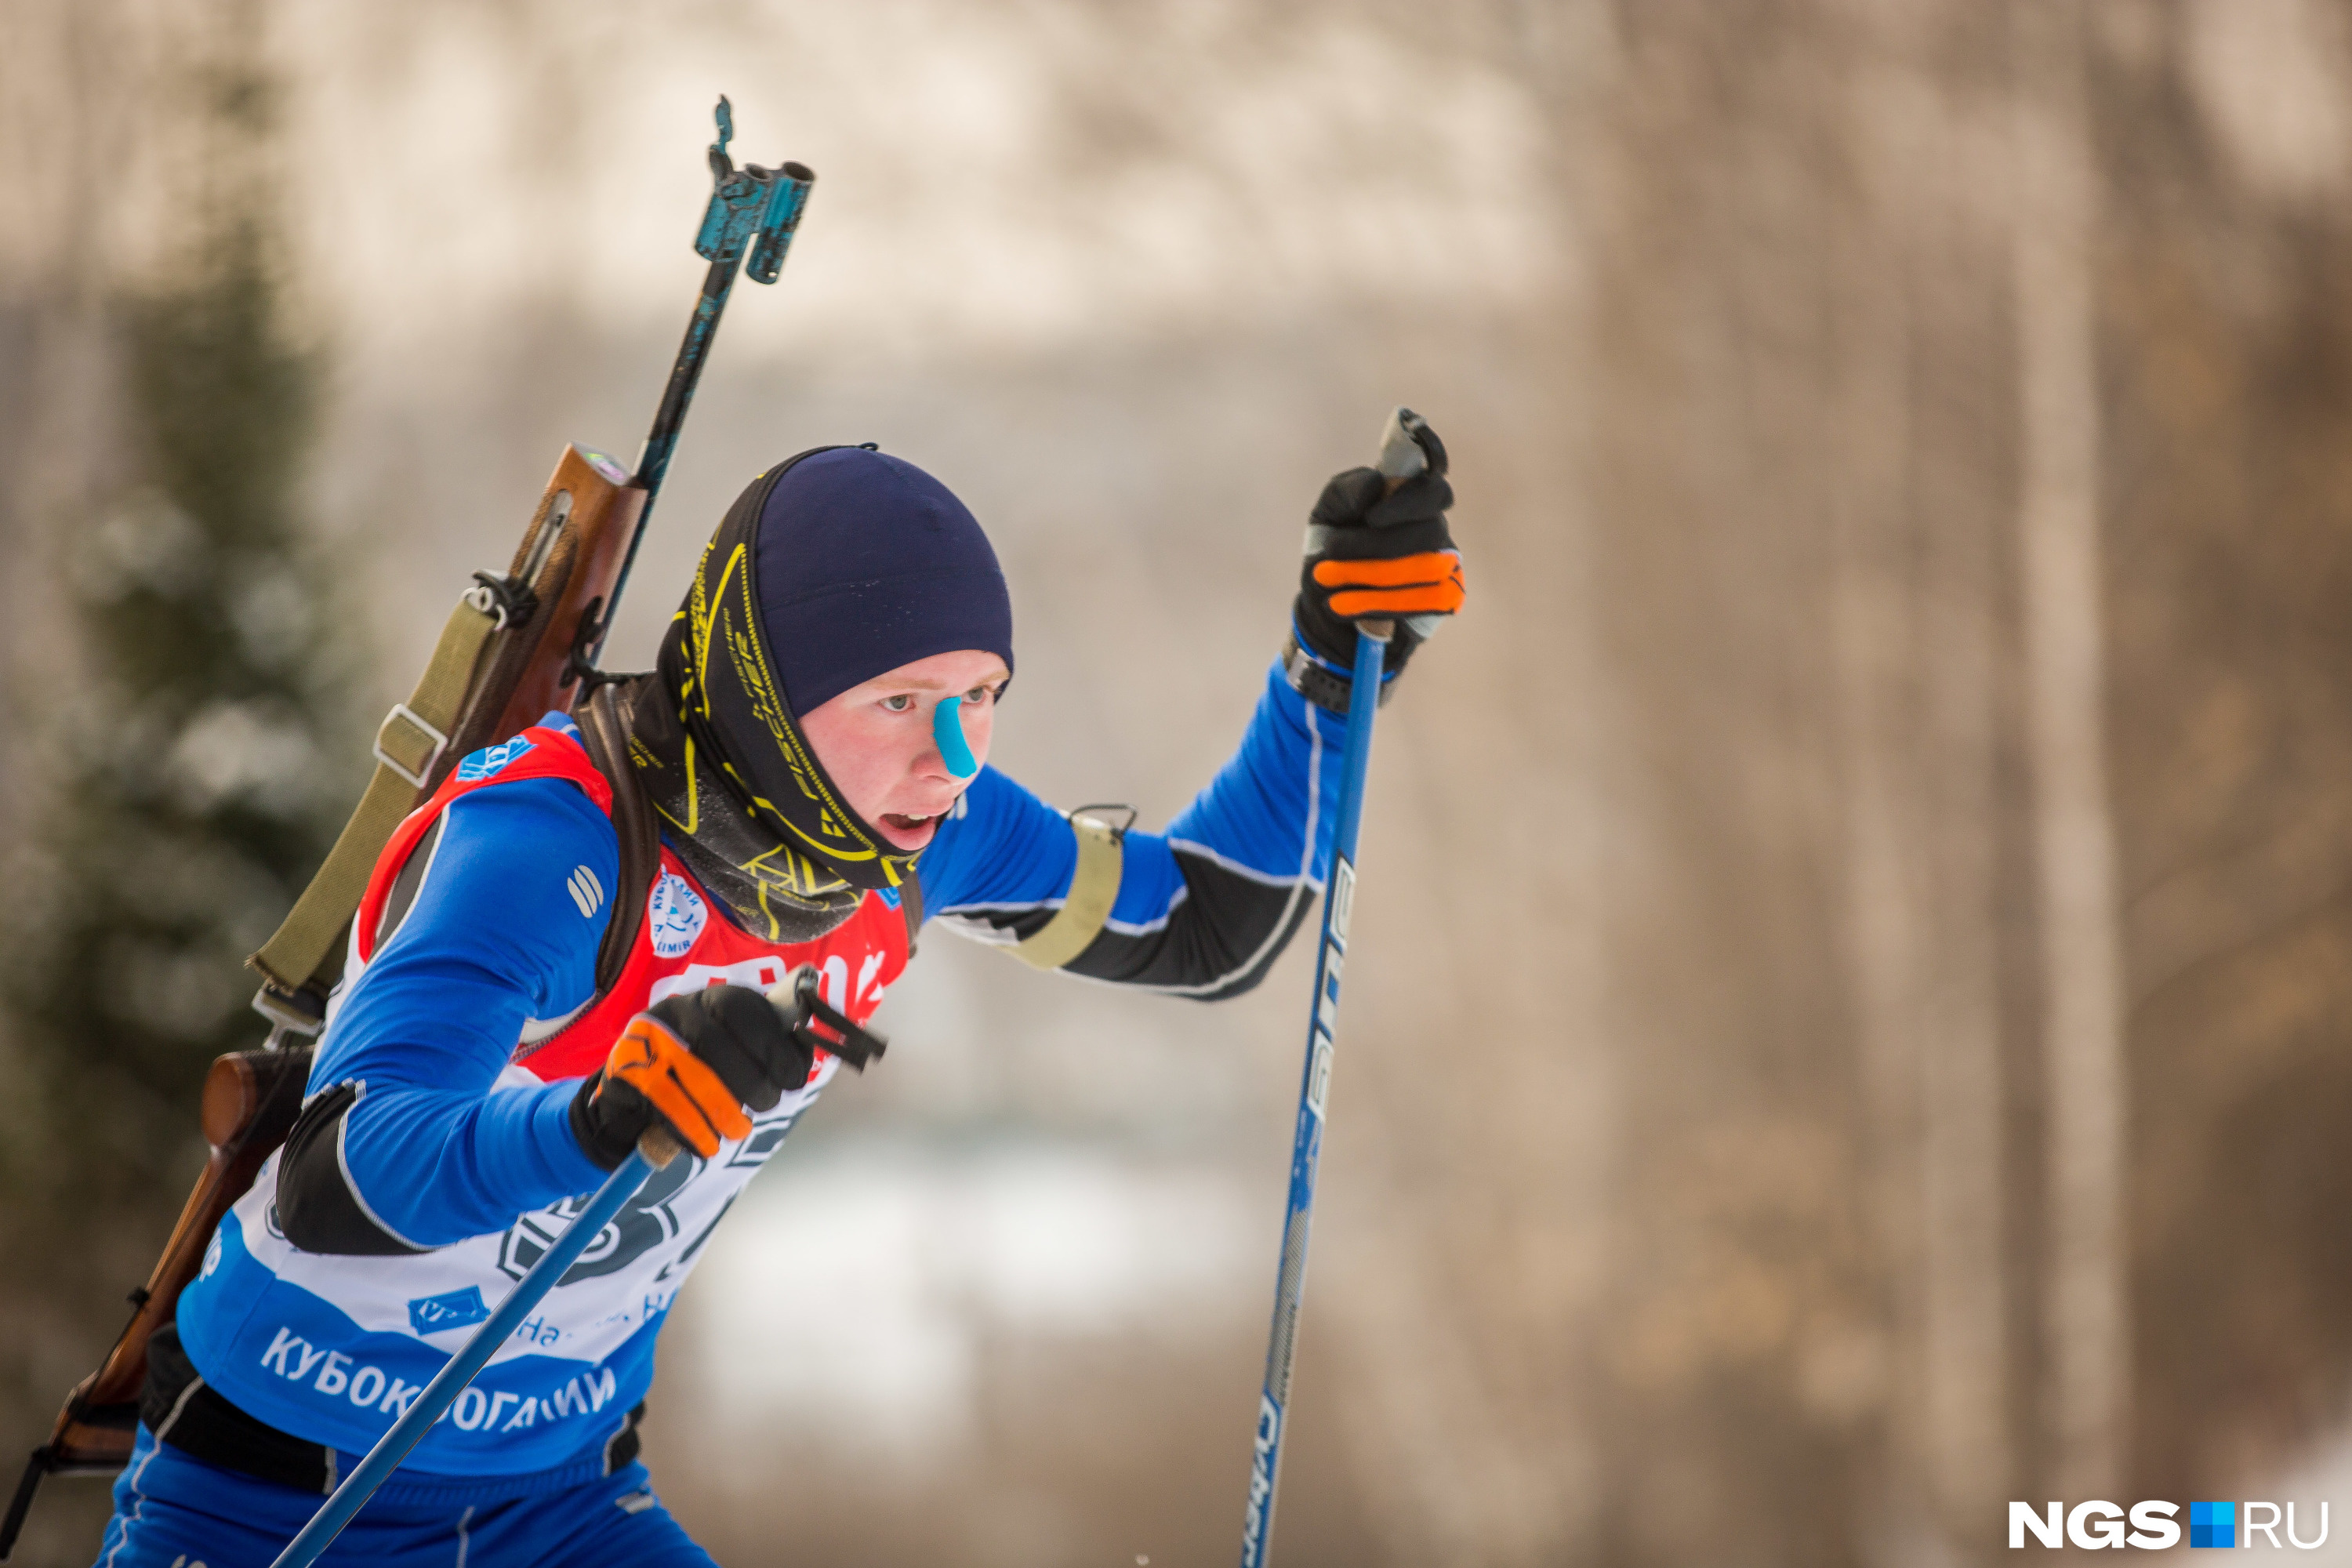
<point x="1402" y="458"/>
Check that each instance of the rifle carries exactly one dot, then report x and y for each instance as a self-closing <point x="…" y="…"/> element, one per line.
<point x="518" y="644"/>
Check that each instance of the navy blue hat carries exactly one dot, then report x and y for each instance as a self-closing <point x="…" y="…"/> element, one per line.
<point x="863" y="563"/>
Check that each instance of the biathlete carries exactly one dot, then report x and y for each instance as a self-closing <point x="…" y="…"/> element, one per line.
<point x="814" y="742"/>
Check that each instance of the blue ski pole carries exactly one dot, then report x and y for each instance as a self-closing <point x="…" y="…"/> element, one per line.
<point x="654" y="1149"/>
<point x="1400" y="458"/>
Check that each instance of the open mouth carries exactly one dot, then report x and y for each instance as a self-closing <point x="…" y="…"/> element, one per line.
<point x="909" y="830"/>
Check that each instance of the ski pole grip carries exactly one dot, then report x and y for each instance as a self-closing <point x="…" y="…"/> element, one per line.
<point x="1402" y="458"/>
<point x="791" y="995"/>
<point x="801" y="1002"/>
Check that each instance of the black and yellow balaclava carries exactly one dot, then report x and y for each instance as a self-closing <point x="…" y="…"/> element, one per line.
<point x="832" y="568"/>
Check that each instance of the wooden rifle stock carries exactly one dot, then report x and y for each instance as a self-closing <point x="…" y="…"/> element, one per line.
<point x="564" y="567"/>
<point x="251" y="1099"/>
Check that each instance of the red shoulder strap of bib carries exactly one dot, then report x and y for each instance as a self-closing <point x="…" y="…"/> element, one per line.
<point x="536" y="753"/>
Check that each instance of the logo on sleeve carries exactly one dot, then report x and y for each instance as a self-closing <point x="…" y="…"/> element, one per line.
<point x="676" y="914"/>
<point x="490" y="761"/>
<point x="585" y="889"/>
<point x="450" y="1309"/>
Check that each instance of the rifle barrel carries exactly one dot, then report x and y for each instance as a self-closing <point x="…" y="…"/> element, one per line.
<point x="653" y="459"/>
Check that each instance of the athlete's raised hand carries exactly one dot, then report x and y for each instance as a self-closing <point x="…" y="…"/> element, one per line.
<point x="698" y="1063"/>
<point x="1374" y="552"/>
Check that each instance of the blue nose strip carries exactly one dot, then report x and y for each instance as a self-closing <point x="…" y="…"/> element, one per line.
<point x="947" y="728"/>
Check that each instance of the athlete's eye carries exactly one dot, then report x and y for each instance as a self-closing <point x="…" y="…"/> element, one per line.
<point x="899" y="703"/>
<point x="979" y="694"/>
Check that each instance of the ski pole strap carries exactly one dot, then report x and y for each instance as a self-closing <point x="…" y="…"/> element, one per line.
<point x="1085" y="910"/>
<point x="1321" y="682"/>
<point x="304" y="954"/>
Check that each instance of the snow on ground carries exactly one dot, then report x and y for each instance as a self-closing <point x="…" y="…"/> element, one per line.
<point x="858" y="1294"/>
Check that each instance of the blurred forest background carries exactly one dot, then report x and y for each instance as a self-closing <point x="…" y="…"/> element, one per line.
<point x="1857" y="915"/>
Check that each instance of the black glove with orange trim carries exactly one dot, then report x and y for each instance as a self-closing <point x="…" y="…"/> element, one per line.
<point x="1373" y="553"/>
<point x="698" y="1062"/>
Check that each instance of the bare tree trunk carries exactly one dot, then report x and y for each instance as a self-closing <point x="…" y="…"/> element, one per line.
<point x="1885" y="940"/>
<point x="63" y="104"/>
<point x="1915" y="614"/>
<point x="1965" y="1352"/>
<point x="2088" y="1321"/>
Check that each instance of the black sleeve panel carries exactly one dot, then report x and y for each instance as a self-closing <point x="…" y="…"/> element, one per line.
<point x="403" y="892"/>
<point x="317" y="1207"/>
<point x="1221" y="936"/>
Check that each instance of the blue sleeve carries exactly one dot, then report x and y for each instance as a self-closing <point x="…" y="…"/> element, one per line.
<point x="1203" y="907"/>
<point x="496" y="937"/>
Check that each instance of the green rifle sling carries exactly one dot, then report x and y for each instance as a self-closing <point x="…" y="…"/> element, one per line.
<point x="306" y="952"/>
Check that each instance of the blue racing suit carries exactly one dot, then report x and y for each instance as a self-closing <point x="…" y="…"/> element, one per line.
<point x="434" y="1158"/>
